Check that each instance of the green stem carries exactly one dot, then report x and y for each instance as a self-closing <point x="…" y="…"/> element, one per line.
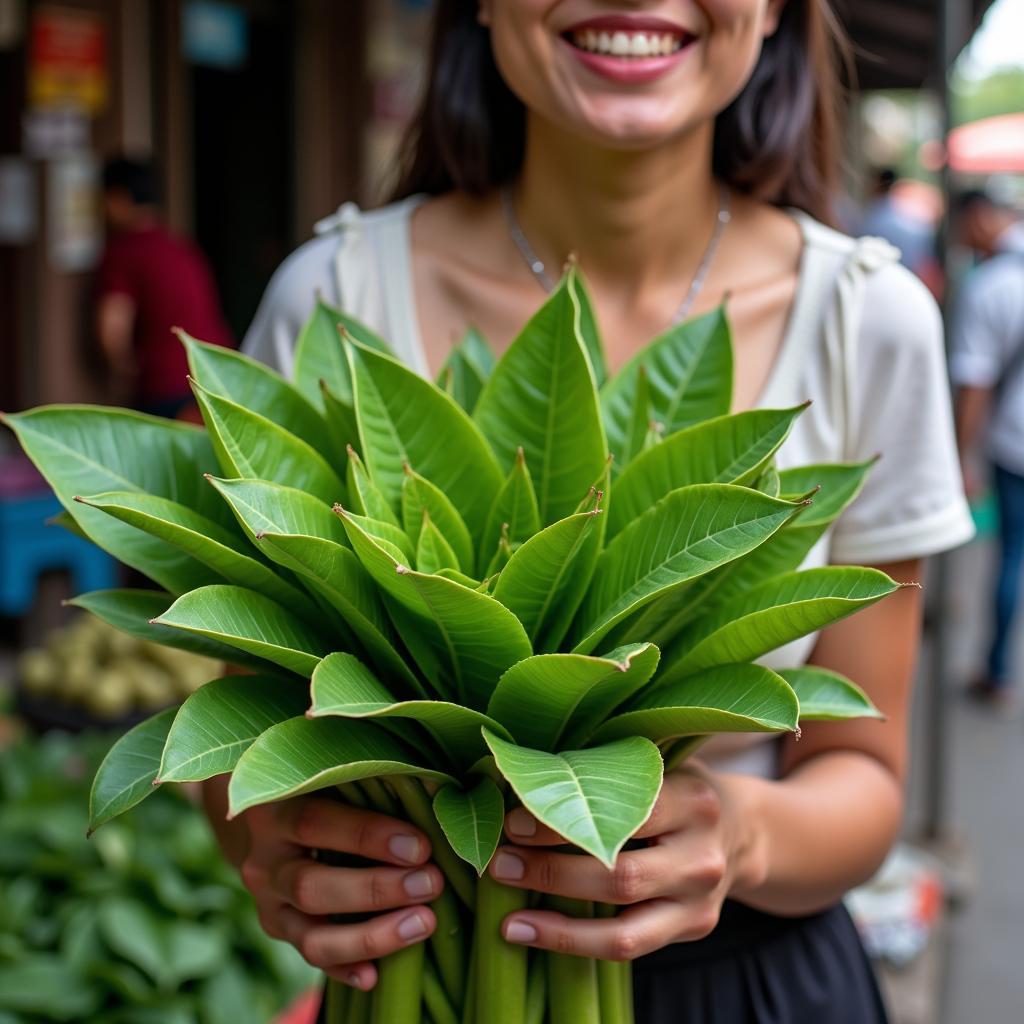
<point x="379" y="797"/>
<point x="448" y="944"/>
<point x="336" y="996"/>
<point x="440" y="1009"/>
<point x="614" y="982"/>
<point x="500" y="965"/>
<point x="421" y="813"/>
<point x="352" y="794"/>
<point x="360" y="1007"/>
<point x="537" y="989"/>
<point x="469" y="1005"/>
<point x="399" y="991"/>
<point x="572" y="980"/>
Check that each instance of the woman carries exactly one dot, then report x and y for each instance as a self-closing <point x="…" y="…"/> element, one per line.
<point x="682" y="148"/>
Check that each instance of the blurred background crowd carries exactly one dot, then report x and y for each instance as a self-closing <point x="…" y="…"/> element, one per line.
<point x="158" y="159"/>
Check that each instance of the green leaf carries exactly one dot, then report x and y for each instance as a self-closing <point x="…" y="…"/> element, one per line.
<point x="41" y="984"/>
<point x="827" y="696"/>
<point x="249" y="622"/>
<point x="635" y="440"/>
<point x="689" y="375"/>
<point x="401" y="416"/>
<point x="541" y="398"/>
<point x="433" y="552"/>
<point x="768" y="481"/>
<point x="685" y="535"/>
<point x="343" y="686"/>
<point x="419" y="495"/>
<point x="303" y="755"/>
<point x="253" y="385"/>
<point x="727" y="698"/>
<point x="320" y="356"/>
<point x="545" y="698"/>
<point x="90" y="449"/>
<point x="471" y="820"/>
<point x="539" y="582"/>
<point x="202" y="538"/>
<point x="133" y="612"/>
<point x="474" y="636"/>
<point x="341" y="426"/>
<point x="514" y="507"/>
<point x="221" y="719"/>
<point x="772" y="614"/>
<point x="125" y="776"/>
<point x="250" y="445"/>
<point x="726" y="450"/>
<point x="838" y="484"/>
<point x="594" y="798"/>
<point x="466" y="369"/>
<point x="590" y="335"/>
<point x="365" y="496"/>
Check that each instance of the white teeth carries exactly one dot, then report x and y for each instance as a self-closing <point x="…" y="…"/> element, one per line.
<point x="627" y="44"/>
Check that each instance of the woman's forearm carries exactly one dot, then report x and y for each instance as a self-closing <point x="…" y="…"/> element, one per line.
<point x="814" y="835"/>
<point x="233" y="836"/>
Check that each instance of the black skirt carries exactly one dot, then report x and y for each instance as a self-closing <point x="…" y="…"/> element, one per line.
<point x="756" y="968"/>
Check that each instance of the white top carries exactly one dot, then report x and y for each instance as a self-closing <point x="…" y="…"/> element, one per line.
<point x="864" y="341"/>
<point x="988" y="339"/>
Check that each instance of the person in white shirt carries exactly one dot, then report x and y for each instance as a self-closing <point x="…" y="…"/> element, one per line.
<point x="987" y="365"/>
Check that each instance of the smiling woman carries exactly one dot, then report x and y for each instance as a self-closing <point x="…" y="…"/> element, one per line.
<point x="683" y="151"/>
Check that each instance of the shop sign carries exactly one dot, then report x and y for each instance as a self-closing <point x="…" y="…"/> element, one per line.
<point x="50" y="133"/>
<point x="17" y="201"/>
<point x="68" y="59"/>
<point x="74" y="234"/>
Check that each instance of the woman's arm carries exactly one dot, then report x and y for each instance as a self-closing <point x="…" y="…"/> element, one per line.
<point x="788" y="846"/>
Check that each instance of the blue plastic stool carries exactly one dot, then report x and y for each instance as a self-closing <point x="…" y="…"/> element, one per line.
<point x="28" y="547"/>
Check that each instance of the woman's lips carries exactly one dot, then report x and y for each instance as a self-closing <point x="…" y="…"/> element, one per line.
<point x="625" y="50"/>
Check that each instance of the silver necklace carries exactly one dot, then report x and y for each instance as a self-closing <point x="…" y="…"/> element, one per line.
<point x="539" y="270"/>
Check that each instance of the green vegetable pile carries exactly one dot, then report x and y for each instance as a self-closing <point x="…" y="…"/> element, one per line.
<point x="145" y="924"/>
<point x="533" y="584"/>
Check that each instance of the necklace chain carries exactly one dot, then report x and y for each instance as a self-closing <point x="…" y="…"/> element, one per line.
<point x="539" y="270"/>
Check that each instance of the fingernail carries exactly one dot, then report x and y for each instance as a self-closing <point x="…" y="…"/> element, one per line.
<point x="522" y="823"/>
<point x="508" y="867"/>
<point x="520" y="931"/>
<point x="413" y="927"/>
<point x="405" y="848"/>
<point x="353" y="979"/>
<point x="418" y="884"/>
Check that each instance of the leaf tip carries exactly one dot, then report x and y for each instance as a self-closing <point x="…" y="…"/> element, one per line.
<point x="402" y="569"/>
<point x="89" y="831"/>
<point x="78" y="498"/>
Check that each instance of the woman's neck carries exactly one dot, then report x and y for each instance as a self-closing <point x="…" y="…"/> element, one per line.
<point x="634" y="218"/>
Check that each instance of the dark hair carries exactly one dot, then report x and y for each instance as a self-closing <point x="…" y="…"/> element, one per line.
<point x="971" y="199"/>
<point x="136" y="177"/>
<point x="777" y="140"/>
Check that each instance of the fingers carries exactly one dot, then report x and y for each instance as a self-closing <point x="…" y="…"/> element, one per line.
<point x="317" y="889"/>
<point x="316" y="823"/>
<point x="636" y="932"/>
<point x="343" y="949"/>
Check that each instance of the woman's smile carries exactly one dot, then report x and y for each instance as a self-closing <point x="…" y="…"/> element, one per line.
<point x="628" y="47"/>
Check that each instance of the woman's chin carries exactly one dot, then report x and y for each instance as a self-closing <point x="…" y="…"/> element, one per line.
<point x="630" y="129"/>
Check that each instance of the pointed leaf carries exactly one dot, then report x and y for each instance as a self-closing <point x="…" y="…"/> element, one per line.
<point x="221" y="719"/>
<point x="595" y="798"/>
<point x="133" y="612"/>
<point x="541" y="398"/>
<point x="320" y="356"/>
<point x="466" y="369"/>
<point x="90" y="449"/>
<point x="514" y="507"/>
<point x="474" y="637"/>
<point x="433" y="552"/>
<point x="404" y="419"/>
<point x="543" y="699"/>
<point x="254" y="385"/>
<point x="303" y="755"/>
<point x="342" y="430"/>
<point x="539" y="580"/>
<point x="838" y="484"/>
<point x="365" y="496"/>
<point x="343" y="686"/>
<point x="687" y="534"/>
<point x="202" y="538"/>
<point x="636" y="437"/>
<point x="250" y="445"/>
<point x="125" y="776"/>
<point x="689" y="373"/>
<point x="250" y="622"/>
<point x="727" y="698"/>
<point x="419" y="495"/>
<point x="589" y="332"/>
<point x="827" y="696"/>
<point x="726" y="450"/>
<point x="772" y="614"/>
<point x="471" y="820"/>
<point x="768" y="482"/>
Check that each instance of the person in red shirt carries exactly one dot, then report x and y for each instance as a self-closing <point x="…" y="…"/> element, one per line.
<point x="150" y="280"/>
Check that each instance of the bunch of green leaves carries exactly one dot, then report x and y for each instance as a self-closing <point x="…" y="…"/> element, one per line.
<point x="145" y="925"/>
<point x="533" y="582"/>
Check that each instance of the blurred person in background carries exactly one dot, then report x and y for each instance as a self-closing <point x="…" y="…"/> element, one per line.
<point x="987" y="366"/>
<point x="150" y="280"/>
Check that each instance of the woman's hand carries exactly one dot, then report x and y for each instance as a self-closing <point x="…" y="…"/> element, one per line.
<point x="295" y="893"/>
<point x="699" y="847"/>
